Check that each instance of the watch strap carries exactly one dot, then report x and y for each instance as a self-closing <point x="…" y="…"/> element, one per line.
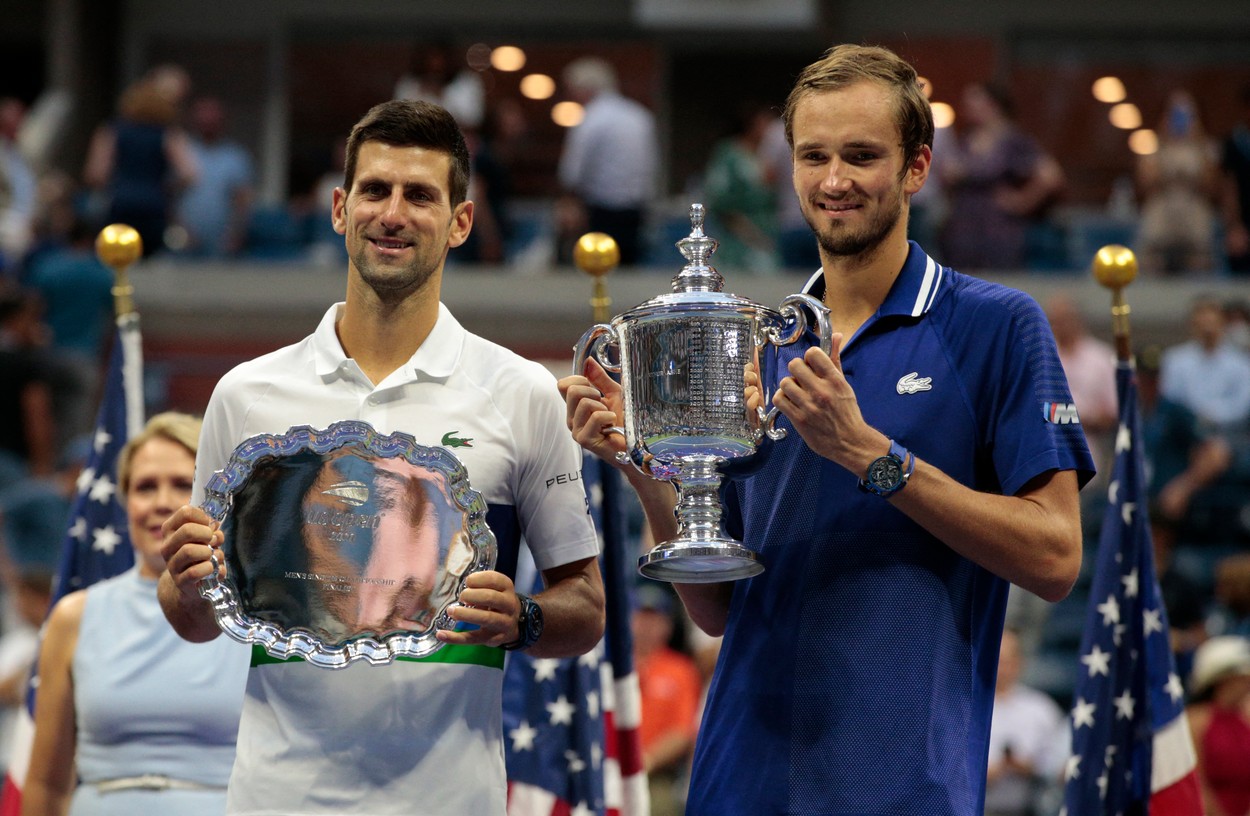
<point x="529" y="624"/>
<point x="907" y="463"/>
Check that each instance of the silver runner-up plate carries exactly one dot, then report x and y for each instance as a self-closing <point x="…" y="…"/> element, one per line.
<point x="343" y="544"/>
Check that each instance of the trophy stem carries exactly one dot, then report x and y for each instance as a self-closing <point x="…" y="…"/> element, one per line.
<point x="698" y="499"/>
<point x="701" y="553"/>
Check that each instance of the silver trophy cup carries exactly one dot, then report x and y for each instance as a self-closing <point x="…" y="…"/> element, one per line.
<point x="683" y="360"/>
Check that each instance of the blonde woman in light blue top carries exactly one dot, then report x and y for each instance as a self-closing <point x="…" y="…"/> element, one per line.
<point x="114" y="733"/>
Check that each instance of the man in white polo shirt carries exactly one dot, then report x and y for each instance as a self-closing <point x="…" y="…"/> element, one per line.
<point x="414" y="736"/>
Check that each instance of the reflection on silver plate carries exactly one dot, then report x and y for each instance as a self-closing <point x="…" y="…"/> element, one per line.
<point x="343" y="544"/>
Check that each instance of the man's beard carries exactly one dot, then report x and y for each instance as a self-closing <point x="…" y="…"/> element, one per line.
<point x="841" y="243"/>
<point x="395" y="283"/>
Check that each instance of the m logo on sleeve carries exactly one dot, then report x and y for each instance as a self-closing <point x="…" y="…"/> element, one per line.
<point x="1060" y="413"/>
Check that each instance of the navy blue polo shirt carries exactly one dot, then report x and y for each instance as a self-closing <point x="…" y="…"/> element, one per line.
<point x="857" y="671"/>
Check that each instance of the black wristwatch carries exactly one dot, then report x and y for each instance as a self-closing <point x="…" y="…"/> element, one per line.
<point x="889" y="474"/>
<point x="529" y="625"/>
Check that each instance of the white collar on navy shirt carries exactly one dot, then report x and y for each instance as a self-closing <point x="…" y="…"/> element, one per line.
<point x="912" y="294"/>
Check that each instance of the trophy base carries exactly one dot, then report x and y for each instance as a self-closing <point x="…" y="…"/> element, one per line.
<point x="707" y="562"/>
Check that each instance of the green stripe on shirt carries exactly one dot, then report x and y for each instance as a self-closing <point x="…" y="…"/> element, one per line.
<point x="491" y="656"/>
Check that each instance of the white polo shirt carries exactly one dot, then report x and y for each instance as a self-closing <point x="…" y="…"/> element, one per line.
<point x="412" y="737"/>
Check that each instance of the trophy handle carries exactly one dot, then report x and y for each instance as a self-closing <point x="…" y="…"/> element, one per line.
<point x="795" y="319"/>
<point x="768" y="424"/>
<point x="591" y="345"/>
<point x="639" y="457"/>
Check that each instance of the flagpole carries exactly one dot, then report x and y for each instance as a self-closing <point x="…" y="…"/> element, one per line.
<point x="1115" y="266"/>
<point x="1132" y="751"/>
<point x="625" y="779"/>
<point x="597" y="254"/>
<point x="119" y="246"/>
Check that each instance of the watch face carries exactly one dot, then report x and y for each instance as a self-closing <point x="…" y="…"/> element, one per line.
<point x="885" y="472"/>
<point x="533" y="620"/>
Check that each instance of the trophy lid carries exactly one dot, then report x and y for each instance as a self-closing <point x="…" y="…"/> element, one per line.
<point x="697" y="275"/>
<point x="698" y="287"/>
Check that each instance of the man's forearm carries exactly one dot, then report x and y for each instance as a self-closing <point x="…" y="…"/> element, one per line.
<point x="573" y="610"/>
<point x="1032" y="539"/>
<point x="707" y="604"/>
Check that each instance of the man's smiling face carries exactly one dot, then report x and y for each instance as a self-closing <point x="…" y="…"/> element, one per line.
<point x="397" y="218"/>
<point x="848" y="167"/>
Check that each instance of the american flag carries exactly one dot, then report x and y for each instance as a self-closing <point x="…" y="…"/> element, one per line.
<point x="1132" y="752"/>
<point x="97" y="544"/>
<point x="571" y="726"/>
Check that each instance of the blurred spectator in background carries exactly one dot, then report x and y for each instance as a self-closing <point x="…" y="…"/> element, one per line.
<point x="17" y="189"/>
<point x="34" y="514"/>
<point x="1185" y="600"/>
<point x="1208" y="374"/>
<point x="1177" y="186"/>
<point x="1231" y="615"/>
<point x="1029" y="741"/>
<point x="1181" y="458"/>
<point x="30" y="592"/>
<point x="795" y="247"/>
<point x="138" y="163"/>
<point x="1237" y="323"/>
<point x="741" y="202"/>
<point x="56" y="212"/>
<point x="172" y="83"/>
<point x="490" y="185"/>
<point x="1235" y="192"/>
<point x="439" y="75"/>
<point x="27" y="381"/>
<point x="123" y="700"/>
<point x="214" y="209"/>
<point x="77" y="293"/>
<point x="998" y="181"/>
<point x="329" y="180"/>
<point x="930" y="206"/>
<point x="670" y="687"/>
<point x="312" y="206"/>
<point x="609" y="163"/>
<point x="1219" y="715"/>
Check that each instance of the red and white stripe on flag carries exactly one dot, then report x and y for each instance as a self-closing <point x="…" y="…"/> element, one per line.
<point x="1129" y="713"/>
<point x="625" y="791"/>
<point x="19" y="763"/>
<point x="1174" y="789"/>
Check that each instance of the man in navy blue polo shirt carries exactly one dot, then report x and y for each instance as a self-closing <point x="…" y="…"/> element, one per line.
<point x="940" y="461"/>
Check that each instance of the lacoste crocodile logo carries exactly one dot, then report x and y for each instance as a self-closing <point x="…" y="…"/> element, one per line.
<point x="450" y="440"/>
<point x="913" y="383"/>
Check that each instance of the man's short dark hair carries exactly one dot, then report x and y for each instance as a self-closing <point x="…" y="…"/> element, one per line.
<point x="412" y="123"/>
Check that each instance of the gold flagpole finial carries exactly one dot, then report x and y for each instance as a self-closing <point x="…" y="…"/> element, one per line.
<point x="1115" y="267"/>
<point x="597" y="254"/>
<point x="118" y="246"/>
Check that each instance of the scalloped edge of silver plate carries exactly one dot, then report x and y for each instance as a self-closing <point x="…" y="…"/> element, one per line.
<point x="285" y="645"/>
